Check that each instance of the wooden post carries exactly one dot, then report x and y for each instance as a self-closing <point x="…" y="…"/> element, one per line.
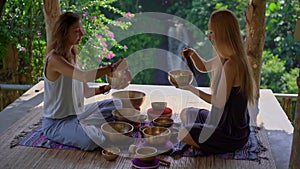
<point x="294" y="160"/>
<point x="51" y="13"/>
<point x="295" y="154"/>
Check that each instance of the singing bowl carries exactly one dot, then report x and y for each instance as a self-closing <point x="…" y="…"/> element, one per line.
<point x="157" y="135"/>
<point x="180" y="77"/>
<point x="152" y="116"/>
<point x="163" y="122"/>
<point x="158" y="106"/>
<point x="117" y="83"/>
<point x="127" y="114"/>
<point x="130" y="98"/>
<point x="146" y="154"/>
<point x="111" y="153"/>
<point x="118" y="131"/>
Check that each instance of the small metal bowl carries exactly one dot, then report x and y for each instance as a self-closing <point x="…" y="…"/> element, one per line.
<point x="146" y="154"/>
<point x="117" y="132"/>
<point x="163" y="122"/>
<point x="127" y="114"/>
<point x="142" y="128"/>
<point x="157" y="135"/>
<point x="159" y="106"/>
<point x="180" y="77"/>
<point x="111" y="153"/>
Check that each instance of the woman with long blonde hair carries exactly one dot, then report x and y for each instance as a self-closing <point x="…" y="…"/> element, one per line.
<point x="225" y="127"/>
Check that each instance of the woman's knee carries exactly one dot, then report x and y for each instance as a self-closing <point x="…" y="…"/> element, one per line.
<point x="87" y="144"/>
<point x="185" y="136"/>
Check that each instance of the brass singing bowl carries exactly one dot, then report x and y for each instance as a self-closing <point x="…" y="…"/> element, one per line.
<point x="180" y="77"/>
<point x="111" y="153"/>
<point x="146" y="154"/>
<point x="157" y="135"/>
<point x="127" y="114"/>
<point x="163" y="122"/>
<point x="118" y="131"/>
<point x="130" y="98"/>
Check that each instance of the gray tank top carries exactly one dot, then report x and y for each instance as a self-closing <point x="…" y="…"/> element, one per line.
<point x="63" y="97"/>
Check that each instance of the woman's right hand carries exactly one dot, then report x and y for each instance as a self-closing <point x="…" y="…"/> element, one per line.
<point x="122" y="64"/>
<point x="187" y="52"/>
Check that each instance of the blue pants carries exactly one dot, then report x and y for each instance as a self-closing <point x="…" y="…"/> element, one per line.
<point x="82" y="131"/>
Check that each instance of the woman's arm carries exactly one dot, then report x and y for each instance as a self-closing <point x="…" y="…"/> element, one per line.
<point x="89" y="92"/>
<point x="200" y="64"/>
<point x="59" y="65"/>
<point x="204" y="96"/>
<point x="221" y="95"/>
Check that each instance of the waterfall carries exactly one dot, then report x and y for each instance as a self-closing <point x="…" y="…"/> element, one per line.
<point x="177" y="40"/>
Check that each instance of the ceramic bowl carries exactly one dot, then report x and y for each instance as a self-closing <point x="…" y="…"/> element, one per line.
<point x="117" y="132"/>
<point x="130" y="98"/>
<point x="111" y="153"/>
<point x="159" y="106"/>
<point x="157" y="135"/>
<point x="117" y="82"/>
<point x="146" y="154"/>
<point x="180" y="77"/>
<point x="163" y="122"/>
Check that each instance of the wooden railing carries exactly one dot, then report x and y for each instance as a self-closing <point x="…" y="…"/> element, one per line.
<point x="286" y="101"/>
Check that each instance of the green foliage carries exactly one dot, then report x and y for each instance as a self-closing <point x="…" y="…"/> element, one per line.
<point x="290" y="78"/>
<point x="281" y="17"/>
<point x="272" y="70"/>
<point x="275" y="76"/>
<point x="22" y="27"/>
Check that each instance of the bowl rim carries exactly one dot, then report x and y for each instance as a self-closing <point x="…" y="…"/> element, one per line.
<point x="159" y="135"/>
<point x="117" y="133"/>
<point x="148" y="155"/>
<point x="160" y="117"/>
<point x="122" y="91"/>
<point x="180" y="70"/>
<point x="118" y="150"/>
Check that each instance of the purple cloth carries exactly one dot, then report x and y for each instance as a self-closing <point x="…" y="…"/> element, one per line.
<point x="250" y="151"/>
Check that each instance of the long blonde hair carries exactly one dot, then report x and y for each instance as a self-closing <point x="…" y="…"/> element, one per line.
<point x="59" y="35"/>
<point x="228" y="42"/>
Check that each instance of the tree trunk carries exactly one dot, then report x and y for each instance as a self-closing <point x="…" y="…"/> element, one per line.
<point x="295" y="154"/>
<point x="255" y="39"/>
<point x="2" y="3"/>
<point x="51" y="13"/>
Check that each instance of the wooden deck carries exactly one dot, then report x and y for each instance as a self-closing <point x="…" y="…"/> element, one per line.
<point x="29" y="157"/>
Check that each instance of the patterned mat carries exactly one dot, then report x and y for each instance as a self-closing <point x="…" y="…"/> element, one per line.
<point x="251" y="150"/>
